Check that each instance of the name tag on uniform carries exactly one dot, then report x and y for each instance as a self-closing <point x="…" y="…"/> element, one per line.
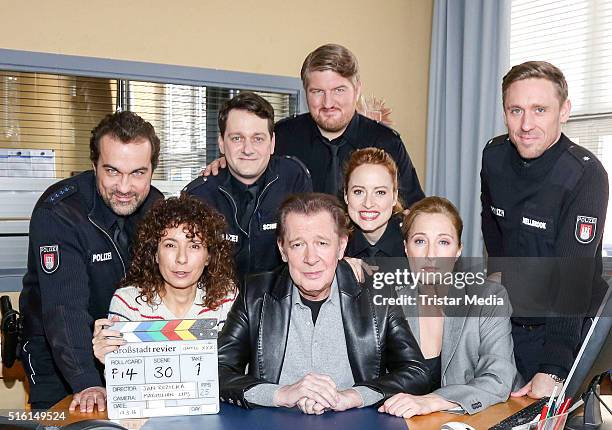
<point x="231" y="237"/>
<point x="534" y="223"/>
<point x="167" y="368"/>
<point x="101" y="256"/>
<point x="498" y="212"/>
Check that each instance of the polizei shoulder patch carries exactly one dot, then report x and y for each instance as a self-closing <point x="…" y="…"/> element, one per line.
<point x="586" y="226"/>
<point x="49" y="258"/>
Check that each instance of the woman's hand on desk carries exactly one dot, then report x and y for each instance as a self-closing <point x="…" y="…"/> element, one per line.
<point x="406" y="405"/>
<point x="104" y="339"/>
<point x="88" y="399"/>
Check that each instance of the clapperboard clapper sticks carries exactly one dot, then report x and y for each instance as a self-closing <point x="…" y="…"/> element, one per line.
<point x="159" y="331"/>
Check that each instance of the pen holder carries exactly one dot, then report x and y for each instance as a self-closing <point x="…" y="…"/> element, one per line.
<point x="553" y="423"/>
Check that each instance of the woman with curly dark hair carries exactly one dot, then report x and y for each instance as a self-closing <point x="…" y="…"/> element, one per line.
<point x="182" y="268"/>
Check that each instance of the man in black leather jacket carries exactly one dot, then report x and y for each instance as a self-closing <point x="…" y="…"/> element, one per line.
<point x="309" y="333"/>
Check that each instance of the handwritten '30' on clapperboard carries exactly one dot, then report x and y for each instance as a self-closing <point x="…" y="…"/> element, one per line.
<point x="166" y="368"/>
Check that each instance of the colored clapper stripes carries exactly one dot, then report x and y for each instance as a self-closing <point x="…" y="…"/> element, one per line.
<point x="161" y="331"/>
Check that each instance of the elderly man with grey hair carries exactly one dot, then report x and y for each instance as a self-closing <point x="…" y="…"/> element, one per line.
<point x="309" y="333"/>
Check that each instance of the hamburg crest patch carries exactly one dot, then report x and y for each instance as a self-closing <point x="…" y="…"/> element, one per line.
<point x="586" y="227"/>
<point x="49" y="258"/>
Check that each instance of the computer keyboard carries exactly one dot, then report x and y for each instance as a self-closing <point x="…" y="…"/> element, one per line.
<point x="523" y="416"/>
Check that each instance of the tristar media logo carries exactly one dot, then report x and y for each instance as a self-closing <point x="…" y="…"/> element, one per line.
<point x="586" y="227"/>
<point x="49" y="258"/>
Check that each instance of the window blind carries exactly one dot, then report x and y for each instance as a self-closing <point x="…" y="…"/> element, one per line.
<point x="576" y="36"/>
<point x="46" y="120"/>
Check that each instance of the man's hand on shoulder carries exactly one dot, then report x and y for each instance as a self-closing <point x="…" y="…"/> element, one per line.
<point x="88" y="399"/>
<point x="360" y="268"/>
<point x="214" y="166"/>
<point x="495" y="277"/>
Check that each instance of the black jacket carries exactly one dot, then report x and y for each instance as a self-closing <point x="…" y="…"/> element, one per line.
<point x="73" y="269"/>
<point x="390" y="244"/>
<point x="533" y="211"/>
<point x="382" y="351"/>
<point x="255" y="249"/>
<point x="300" y="137"/>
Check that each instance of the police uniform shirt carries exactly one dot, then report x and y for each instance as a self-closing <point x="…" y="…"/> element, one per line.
<point x="110" y="221"/>
<point x="255" y="247"/>
<point x="240" y="193"/>
<point x="390" y="244"/>
<point x="300" y="137"/>
<point x="551" y="206"/>
<point x="73" y="270"/>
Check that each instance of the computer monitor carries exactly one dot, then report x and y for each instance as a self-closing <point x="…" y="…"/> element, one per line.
<point x="594" y="358"/>
<point x="595" y="355"/>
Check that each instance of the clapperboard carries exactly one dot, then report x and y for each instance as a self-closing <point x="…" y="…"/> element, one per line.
<point x="166" y="368"/>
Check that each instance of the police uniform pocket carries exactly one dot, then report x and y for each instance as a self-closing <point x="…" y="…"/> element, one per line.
<point x="264" y="252"/>
<point x="536" y="235"/>
<point x="266" y="236"/>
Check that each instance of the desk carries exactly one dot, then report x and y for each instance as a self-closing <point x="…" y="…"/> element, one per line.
<point x="273" y="418"/>
<point x="480" y="421"/>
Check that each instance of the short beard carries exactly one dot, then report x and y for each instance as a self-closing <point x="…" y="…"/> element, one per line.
<point x="332" y="126"/>
<point x="123" y="209"/>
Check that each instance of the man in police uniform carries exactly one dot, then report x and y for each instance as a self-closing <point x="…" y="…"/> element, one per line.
<point x="325" y="138"/>
<point x="249" y="192"/>
<point x="544" y="203"/>
<point x="80" y="235"/>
